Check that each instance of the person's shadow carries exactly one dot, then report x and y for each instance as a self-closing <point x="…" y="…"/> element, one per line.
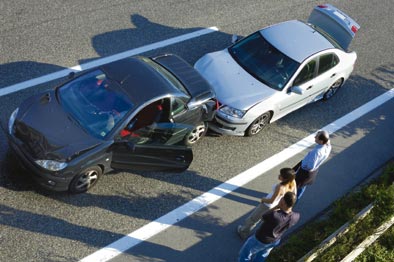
<point x="144" y="32"/>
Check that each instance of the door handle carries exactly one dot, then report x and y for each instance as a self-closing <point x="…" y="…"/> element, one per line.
<point x="333" y="75"/>
<point x="309" y="87"/>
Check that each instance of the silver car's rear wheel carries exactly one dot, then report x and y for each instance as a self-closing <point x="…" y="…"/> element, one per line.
<point x="85" y="180"/>
<point x="196" y="134"/>
<point x="258" y="124"/>
<point x="333" y="89"/>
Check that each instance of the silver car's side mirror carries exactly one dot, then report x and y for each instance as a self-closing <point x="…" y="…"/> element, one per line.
<point x="297" y="89"/>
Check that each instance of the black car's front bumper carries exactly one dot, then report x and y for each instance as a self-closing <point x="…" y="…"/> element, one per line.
<point x="49" y="180"/>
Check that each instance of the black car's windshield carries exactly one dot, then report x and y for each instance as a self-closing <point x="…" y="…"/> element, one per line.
<point x="95" y="102"/>
<point x="263" y="61"/>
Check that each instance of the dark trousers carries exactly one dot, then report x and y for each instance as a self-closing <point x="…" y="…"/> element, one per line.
<point x="303" y="178"/>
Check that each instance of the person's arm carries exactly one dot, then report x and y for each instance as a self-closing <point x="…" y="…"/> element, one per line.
<point x="278" y="190"/>
<point x="294" y="187"/>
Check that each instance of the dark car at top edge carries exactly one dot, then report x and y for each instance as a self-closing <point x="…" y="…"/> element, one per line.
<point x="137" y="113"/>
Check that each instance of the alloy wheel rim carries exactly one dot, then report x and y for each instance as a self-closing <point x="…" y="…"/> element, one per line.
<point x="87" y="179"/>
<point x="259" y="124"/>
<point x="196" y="134"/>
<point x="334" y="88"/>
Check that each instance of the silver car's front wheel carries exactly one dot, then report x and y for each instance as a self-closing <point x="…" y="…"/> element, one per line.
<point x="333" y="89"/>
<point x="258" y="124"/>
<point x="196" y="134"/>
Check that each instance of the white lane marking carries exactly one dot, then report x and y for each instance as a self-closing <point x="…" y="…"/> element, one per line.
<point x="105" y="60"/>
<point x="223" y="189"/>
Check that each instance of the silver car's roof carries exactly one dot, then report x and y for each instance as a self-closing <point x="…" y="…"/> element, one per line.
<point x="295" y="39"/>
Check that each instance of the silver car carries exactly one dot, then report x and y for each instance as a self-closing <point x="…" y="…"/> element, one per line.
<point x="279" y="69"/>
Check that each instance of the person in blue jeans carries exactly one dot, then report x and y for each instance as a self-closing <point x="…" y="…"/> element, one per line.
<point x="275" y="223"/>
<point x="308" y="167"/>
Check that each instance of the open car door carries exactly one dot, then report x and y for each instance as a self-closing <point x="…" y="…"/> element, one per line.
<point x="156" y="147"/>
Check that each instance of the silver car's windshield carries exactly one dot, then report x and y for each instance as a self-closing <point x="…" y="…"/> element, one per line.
<point x="94" y="102"/>
<point x="263" y="61"/>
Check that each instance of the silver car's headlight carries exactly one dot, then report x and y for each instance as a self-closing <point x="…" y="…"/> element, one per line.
<point x="51" y="164"/>
<point x="228" y="110"/>
<point x="11" y="121"/>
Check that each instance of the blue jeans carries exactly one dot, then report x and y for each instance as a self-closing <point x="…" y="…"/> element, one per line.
<point x="300" y="192"/>
<point x="255" y="251"/>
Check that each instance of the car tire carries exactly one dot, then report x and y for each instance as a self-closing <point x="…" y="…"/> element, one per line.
<point x="85" y="180"/>
<point x="258" y="124"/>
<point x="196" y="134"/>
<point x="333" y="89"/>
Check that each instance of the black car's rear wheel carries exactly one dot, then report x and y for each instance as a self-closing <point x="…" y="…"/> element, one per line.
<point x="333" y="89"/>
<point x="85" y="180"/>
<point x="258" y="124"/>
<point x="196" y="134"/>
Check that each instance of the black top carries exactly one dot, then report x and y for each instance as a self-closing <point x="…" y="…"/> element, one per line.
<point x="275" y="224"/>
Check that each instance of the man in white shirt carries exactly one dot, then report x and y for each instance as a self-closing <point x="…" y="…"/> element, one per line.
<point x="308" y="167"/>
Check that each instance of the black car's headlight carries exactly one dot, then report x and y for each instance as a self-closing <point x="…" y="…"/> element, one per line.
<point x="228" y="110"/>
<point x="51" y="165"/>
<point x="11" y="121"/>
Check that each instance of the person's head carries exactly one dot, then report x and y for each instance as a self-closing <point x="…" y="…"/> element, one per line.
<point x="286" y="175"/>
<point x="322" y="137"/>
<point x="288" y="201"/>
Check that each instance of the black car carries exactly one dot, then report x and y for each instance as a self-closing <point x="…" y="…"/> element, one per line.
<point x="138" y="113"/>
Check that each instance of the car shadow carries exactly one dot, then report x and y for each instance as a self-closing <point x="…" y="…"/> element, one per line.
<point x="355" y="92"/>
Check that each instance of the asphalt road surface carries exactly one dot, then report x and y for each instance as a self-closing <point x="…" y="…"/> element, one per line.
<point x="42" y="37"/>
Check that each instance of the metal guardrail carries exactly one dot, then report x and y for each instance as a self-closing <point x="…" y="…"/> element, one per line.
<point x="369" y="240"/>
<point x="329" y="241"/>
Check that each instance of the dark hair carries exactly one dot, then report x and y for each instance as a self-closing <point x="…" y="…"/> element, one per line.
<point x="287" y="174"/>
<point x="290" y="199"/>
<point x="323" y="136"/>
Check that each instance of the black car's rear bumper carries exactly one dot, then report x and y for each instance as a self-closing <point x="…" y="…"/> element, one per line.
<point x="45" y="179"/>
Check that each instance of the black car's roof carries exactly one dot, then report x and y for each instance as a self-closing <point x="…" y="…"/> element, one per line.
<point x="138" y="79"/>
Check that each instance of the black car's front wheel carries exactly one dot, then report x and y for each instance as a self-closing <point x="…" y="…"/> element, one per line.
<point x="333" y="89"/>
<point x="196" y="134"/>
<point x="258" y="124"/>
<point x="85" y="180"/>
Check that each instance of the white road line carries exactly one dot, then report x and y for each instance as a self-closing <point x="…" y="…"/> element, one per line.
<point x="223" y="189"/>
<point x="105" y="60"/>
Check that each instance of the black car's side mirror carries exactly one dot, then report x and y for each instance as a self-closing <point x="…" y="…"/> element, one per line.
<point x="234" y="38"/>
<point x="71" y="75"/>
<point x="200" y="99"/>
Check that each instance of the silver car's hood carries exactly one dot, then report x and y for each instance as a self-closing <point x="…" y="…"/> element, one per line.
<point x="232" y="84"/>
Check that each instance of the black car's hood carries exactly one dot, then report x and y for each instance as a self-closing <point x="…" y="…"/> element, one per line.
<point x="48" y="132"/>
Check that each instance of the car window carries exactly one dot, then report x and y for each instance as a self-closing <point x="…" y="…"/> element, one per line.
<point x="95" y="102"/>
<point x="146" y="119"/>
<point x="326" y="62"/>
<point x="306" y="74"/>
<point x="263" y="61"/>
<point x="177" y="106"/>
